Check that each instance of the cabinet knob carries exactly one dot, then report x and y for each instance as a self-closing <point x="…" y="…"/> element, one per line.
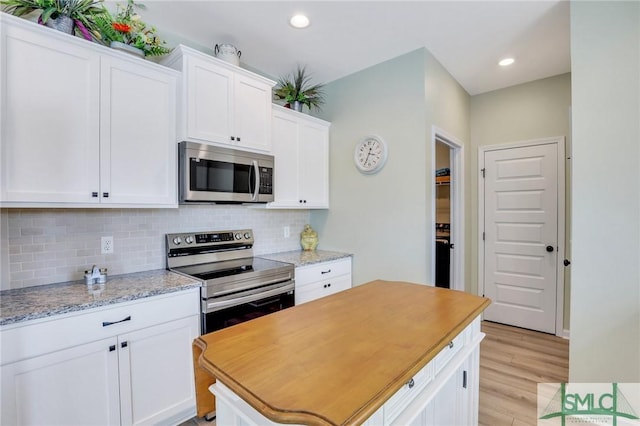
<point x="105" y="194"/>
<point x="233" y="138"/>
<point x="238" y="138"/>
<point x="451" y="344"/>
<point x="112" y="348"/>
<point x="124" y="344"/>
<point x="94" y="194"/>
<point x="411" y="383"/>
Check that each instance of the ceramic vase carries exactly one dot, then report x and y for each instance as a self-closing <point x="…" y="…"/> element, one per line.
<point x="308" y="238"/>
<point x="127" y="48"/>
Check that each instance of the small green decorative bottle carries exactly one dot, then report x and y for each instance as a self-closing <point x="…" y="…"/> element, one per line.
<point x="308" y="238"/>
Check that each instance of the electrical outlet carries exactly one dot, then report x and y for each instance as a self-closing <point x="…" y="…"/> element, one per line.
<point x="106" y="245"/>
<point x="287" y="232"/>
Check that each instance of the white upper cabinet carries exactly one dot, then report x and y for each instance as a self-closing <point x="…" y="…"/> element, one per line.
<point x="137" y="128"/>
<point x="83" y="125"/>
<point x="301" y="150"/>
<point x="222" y="103"/>
<point x="50" y="118"/>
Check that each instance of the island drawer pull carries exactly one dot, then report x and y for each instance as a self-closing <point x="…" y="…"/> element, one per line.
<point x="106" y="324"/>
<point x="411" y="383"/>
<point x="451" y="344"/>
<point x="325" y="272"/>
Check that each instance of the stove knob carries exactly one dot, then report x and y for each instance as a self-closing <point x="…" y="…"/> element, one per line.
<point x="188" y="239"/>
<point x="247" y="235"/>
<point x="177" y="241"/>
<point x="238" y="236"/>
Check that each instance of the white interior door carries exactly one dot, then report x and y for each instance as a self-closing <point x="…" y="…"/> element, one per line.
<point x="521" y="236"/>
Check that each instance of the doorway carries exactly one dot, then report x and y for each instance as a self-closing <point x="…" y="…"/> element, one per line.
<point x="521" y="241"/>
<point x="447" y="245"/>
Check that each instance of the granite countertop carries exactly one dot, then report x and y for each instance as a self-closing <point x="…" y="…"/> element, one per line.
<point x="53" y="299"/>
<point x="304" y="258"/>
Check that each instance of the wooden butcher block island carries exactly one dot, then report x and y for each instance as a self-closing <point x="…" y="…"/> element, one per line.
<point x="380" y="353"/>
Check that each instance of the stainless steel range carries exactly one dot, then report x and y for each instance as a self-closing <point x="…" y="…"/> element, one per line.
<point x="236" y="286"/>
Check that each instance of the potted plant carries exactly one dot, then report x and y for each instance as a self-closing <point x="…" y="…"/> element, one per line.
<point x="63" y="15"/>
<point x="297" y="90"/>
<point x="128" y="32"/>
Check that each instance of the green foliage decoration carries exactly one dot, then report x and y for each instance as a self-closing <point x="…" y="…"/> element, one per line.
<point x="298" y="87"/>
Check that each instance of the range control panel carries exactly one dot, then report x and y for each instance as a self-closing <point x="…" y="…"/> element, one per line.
<point x="210" y="241"/>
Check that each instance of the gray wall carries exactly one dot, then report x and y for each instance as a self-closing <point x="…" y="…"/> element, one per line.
<point x="605" y="304"/>
<point x="527" y="111"/>
<point x="385" y="219"/>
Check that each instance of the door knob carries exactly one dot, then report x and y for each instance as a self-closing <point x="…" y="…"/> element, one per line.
<point x="549" y="249"/>
<point x="567" y="262"/>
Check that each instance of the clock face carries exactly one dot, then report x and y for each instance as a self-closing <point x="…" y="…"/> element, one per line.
<point x="370" y="154"/>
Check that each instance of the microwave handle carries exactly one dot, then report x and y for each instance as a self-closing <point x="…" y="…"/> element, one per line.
<point x="256" y="172"/>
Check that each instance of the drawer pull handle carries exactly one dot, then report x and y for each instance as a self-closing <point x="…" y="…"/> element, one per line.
<point x="411" y="383"/>
<point x="325" y="272"/>
<point x="112" y="348"/>
<point x="106" y="324"/>
<point x="124" y="344"/>
<point x="451" y="344"/>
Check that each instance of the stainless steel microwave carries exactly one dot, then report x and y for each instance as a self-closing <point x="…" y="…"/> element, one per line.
<point x="211" y="174"/>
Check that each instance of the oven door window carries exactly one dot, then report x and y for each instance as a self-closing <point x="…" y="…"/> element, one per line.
<point x="220" y="176"/>
<point x="237" y="314"/>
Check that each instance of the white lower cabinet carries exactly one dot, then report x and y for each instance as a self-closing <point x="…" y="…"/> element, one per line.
<point x="445" y="397"/>
<point x="76" y="386"/>
<point x="322" y="279"/>
<point x="142" y="373"/>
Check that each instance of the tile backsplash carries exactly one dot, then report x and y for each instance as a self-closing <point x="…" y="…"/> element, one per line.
<point x="43" y="246"/>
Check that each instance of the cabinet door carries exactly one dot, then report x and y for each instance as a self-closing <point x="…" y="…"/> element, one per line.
<point x="209" y="101"/>
<point x="156" y="373"/>
<point x="252" y="114"/>
<point x="285" y="151"/>
<point x="314" y="165"/>
<point x="50" y="119"/>
<point x="450" y="404"/>
<point x="77" y="386"/>
<point x="137" y="134"/>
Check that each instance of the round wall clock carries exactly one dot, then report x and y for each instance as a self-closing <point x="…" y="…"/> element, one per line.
<point x="370" y="154"/>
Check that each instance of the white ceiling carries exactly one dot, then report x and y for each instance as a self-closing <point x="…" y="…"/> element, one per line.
<point x="467" y="37"/>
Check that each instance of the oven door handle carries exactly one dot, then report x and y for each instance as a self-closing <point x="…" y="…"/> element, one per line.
<point x="248" y="286"/>
<point x="218" y="305"/>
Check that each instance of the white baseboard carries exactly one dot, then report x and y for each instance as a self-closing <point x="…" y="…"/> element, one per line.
<point x="564" y="334"/>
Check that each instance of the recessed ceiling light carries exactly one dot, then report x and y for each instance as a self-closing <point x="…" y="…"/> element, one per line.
<point x="506" y="62"/>
<point x="299" y="21"/>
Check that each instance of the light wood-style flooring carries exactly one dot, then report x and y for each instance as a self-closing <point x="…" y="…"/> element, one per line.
<point x="512" y="362"/>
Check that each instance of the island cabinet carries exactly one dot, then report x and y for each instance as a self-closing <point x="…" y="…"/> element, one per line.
<point x="127" y="364"/>
<point x="383" y="353"/>
<point x="83" y="125"/>
<point x="322" y="279"/>
<point x="301" y="150"/>
<point x="220" y="102"/>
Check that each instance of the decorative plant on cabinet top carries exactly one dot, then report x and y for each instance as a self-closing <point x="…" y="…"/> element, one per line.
<point x="63" y="15"/>
<point x="297" y="90"/>
<point x="127" y="28"/>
